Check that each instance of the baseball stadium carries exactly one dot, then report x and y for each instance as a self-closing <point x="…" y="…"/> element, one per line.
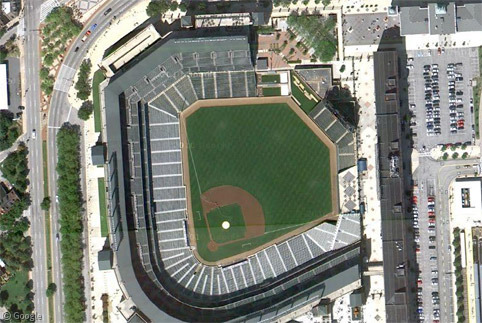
<point x="223" y="205"/>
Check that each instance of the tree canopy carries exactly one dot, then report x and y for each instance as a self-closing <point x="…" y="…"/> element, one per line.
<point x="9" y="130"/>
<point x="85" y="110"/>
<point x="70" y="207"/>
<point x="83" y="86"/>
<point x="15" y="168"/>
<point x="317" y="33"/>
<point x="158" y="7"/>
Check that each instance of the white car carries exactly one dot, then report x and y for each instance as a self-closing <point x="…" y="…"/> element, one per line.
<point x="34" y="134"/>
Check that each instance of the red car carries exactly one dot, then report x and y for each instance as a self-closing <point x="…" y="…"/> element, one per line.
<point x="431" y="220"/>
<point x="431" y="199"/>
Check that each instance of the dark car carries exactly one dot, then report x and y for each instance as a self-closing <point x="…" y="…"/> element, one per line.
<point x="76" y="49"/>
<point x="107" y="11"/>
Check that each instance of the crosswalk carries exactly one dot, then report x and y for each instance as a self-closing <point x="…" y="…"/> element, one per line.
<point x="47" y="7"/>
<point x="64" y="79"/>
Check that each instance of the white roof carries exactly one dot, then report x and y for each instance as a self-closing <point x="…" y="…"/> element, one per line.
<point x="472" y="210"/>
<point x="6" y="7"/>
<point x="3" y="87"/>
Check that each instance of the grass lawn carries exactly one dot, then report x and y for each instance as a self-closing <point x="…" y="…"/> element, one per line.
<point x="17" y="289"/>
<point x="47" y="226"/>
<point x="270" y="78"/>
<point x="231" y="213"/>
<point x="271" y="91"/>
<point x="307" y="104"/>
<point x="98" y="78"/>
<point x="267" y="151"/>
<point x="104" y="229"/>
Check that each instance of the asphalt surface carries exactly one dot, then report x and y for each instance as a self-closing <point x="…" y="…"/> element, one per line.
<point x="61" y="112"/>
<point x="434" y="178"/>
<point x="32" y="113"/>
<point x="467" y="56"/>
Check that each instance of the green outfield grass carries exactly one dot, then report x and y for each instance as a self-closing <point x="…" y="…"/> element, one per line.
<point x="267" y="151"/>
<point x="270" y="78"/>
<point x="231" y="213"/>
<point x="271" y="91"/>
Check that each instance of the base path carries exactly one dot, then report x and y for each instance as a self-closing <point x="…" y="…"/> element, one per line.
<point x="226" y="195"/>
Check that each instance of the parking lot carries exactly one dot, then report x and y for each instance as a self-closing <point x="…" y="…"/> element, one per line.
<point x="425" y="236"/>
<point x="440" y="95"/>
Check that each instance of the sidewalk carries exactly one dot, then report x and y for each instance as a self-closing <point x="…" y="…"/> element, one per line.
<point x="102" y="282"/>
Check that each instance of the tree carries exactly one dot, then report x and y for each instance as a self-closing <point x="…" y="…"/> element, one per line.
<point x="3" y="297"/>
<point x="342" y="68"/>
<point x="70" y="209"/>
<point x="455" y="155"/>
<point x="45" y="205"/>
<point x="173" y="6"/>
<point x="158" y="7"/>
<point x="201" y="6"/>
<point x="9" y="130"/>
<point x="15" y="169"/>
<point x="51" y="289"/>
<point x="465" y="155"/>
<point x="445" y="156"/>
<point x="326" y="2"/>
<point x="83" y="86"/>
<point x="85" y="110"/>
<point x="44" y="73"/>
<point x="49" y="59"/>
<point x="444" y="148"/>
<point x="183" y="7"/>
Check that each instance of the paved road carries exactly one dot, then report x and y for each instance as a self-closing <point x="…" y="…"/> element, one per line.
<point x="32" y="113"/>
<point x="61" y="112"/>
<point x="434" y="178"/>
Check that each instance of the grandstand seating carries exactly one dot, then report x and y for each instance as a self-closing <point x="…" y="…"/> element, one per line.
<point x="155" y="148"/>
<point x="337" y="131"/>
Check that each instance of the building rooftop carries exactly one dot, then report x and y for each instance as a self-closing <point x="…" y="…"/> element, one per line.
<point x="413" y="20"/>
<point x="441" y="18"/>
<point x="104" y="258"/>
<point x="467" y="194"/>
<point x="3" y="87"/>
<point x="98" y="154"/>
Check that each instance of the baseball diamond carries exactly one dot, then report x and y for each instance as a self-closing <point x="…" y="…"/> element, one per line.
<point x="261" y="168"/>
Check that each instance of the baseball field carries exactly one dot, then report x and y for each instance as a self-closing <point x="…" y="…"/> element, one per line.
<point x="255" y="174"/>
